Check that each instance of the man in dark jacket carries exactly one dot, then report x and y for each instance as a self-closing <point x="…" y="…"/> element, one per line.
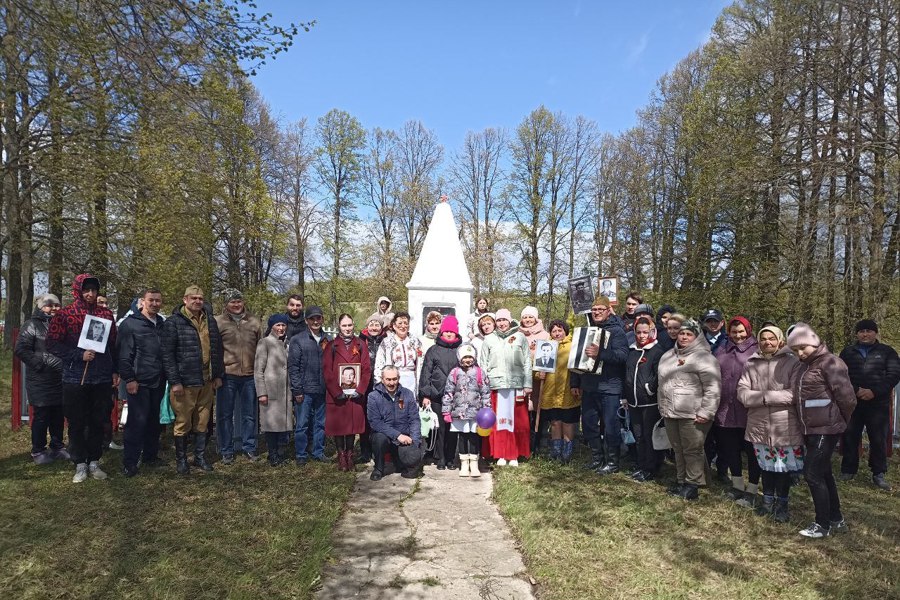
<point x="193" y="361"/>
<point x="714" y="329"/>
<point x="141" y="368"/>
<point x="43" y="382"/>
<point x="87" y="376"/>
<point x="308" y="386"/>
<point x="601" y="394"/>
<point x="874" y="370"/>
<point x="396" y="428"/>
<point x="296" y="318"/>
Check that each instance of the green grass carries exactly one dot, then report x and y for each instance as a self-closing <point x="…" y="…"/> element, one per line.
<point x="584" y="536"/>
<point x="243" y="531"/>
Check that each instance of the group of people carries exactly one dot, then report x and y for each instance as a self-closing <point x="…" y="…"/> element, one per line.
<point x="716" y="390"/>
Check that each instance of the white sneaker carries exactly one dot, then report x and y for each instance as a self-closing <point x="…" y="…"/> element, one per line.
<point x="81" y="473"/>
<point x="514" y="463"/>
<point x="115" y="446"/>
<point x="814" y="531"/>
<point x="95" y="470"/>
<point x="501" y="462"/>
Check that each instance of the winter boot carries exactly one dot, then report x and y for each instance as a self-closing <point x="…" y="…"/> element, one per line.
<point x="200" y="452"/>
<point x="473" y="466"/>
<point x="767" y="507"/>
<point x="465" y="460"/>
<point x="598" y="456"/>
<point x="689" y="492"/>
<point x="181" y="462"/>
<point x="612" y="464"/>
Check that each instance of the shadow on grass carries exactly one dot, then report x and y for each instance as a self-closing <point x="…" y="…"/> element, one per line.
<point x="243" y="531"/>
<point x="581" y="532"/>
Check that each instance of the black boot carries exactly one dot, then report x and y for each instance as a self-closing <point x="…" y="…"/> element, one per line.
<point x="598" y="458"/>
<point x="612" y="464"/>
<point x="767" y="507"/>
<point x="275" y="457"/>
<point x="181" y="462"/>
<point x="200" y="452"/>
<point x="689" y="492"/>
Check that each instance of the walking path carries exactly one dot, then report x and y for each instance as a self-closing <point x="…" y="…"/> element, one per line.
<point x="436" y="537"/>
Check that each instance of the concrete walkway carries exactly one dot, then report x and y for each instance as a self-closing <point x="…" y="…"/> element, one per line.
<point x="436" y="537"/>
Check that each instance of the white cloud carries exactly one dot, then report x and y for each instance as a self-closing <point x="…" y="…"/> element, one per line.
<point x="637" y="50"/>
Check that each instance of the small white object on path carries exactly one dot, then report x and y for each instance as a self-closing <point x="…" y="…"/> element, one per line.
<point x="436" y="537"/>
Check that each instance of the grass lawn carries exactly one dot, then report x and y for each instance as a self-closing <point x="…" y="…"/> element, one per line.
<point x="584" y="536"/>
<point x="243" y="531"/>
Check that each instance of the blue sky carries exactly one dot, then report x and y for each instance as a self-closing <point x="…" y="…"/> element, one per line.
<point x="466" y="65"/>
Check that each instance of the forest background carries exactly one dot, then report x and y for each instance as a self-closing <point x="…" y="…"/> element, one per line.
<point x="762" y="176"/>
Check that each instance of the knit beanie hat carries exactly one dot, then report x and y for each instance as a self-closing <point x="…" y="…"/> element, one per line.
<point x="867" y="324"/>
<point x="277" y="318"/>
<point x="743" y="321"/>
<point x="529" y="311"/>
<point x="503" y="313"/>
<point x="643" y="309"/>
<point x="46" y="300"/>
<point x="450" y="324"/>
<point x="803" y="335"/>
<point x="692" y="326"/>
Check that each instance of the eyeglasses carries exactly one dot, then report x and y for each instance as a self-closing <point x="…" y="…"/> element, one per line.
<point x="602" y="309"/>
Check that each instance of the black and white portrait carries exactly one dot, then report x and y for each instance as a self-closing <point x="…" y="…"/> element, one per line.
<point x="582" y="294"/>
<point x="609" y="287"/>
<point x="348" y="375"/>
<point x="94" y="334"/>
<point x="545" y="356"/>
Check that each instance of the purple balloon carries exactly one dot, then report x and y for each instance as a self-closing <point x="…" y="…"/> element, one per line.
<point x="486" y="418"/>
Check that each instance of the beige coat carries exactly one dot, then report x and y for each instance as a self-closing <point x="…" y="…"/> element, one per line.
<point x="239" y="340"/>
<point x="271" y="379"/>
<point x="765" y="390"/>
<point x="690" y="382"/>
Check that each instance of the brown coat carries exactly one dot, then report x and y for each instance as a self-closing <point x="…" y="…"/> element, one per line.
<point x="765" y="390"/>
<point x="271" y="379"/>
<point x="825" y="397"/>
<point x="239" y="340"/>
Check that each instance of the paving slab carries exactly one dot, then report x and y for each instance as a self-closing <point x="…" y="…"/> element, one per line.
<point x="439" y="536"/>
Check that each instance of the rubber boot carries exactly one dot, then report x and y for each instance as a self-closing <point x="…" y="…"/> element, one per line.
<point x="275" y="458"/>
<point x="781" y="514"/>
<point x="567" y="448"/>
<point x="612" y="464"/>
<point x="200" y="452"/>
<point x="181" y="462"/>
<point x="464" y="461"/>
<point x="555" y="449"/>
<point x="768" y="505"/>
<point x="598" y="456"/>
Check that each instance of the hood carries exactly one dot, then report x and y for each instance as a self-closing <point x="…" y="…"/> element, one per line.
<point x="378" y="305"/>
<point x="535" y="329"/>
<point x="697" y="346"/>
<point x="646" y="346"/>
<point x="368" y="336"/>
<point x="665" y="308"/>
<point x="78" y="284"/>
<point x="748" y="345"/>
<point x="821" y="351"/>
<point x="513" y="328"/>
<point x="134" y="306"/>
<point x="778" y="354"/>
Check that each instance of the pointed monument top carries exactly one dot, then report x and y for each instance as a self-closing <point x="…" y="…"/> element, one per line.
<point x="441" y="264"/>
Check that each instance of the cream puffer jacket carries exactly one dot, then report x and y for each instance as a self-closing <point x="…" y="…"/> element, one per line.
<point x="690" y="382"/>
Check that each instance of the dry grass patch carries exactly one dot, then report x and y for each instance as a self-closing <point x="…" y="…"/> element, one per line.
<point x="584" y="536"/>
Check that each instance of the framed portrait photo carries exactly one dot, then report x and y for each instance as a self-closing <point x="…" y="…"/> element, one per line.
<point x="581" y="291"/>
<point x="609" y="287"/>
<point x="94" y="334"/>
<point x="545" y="355"/>
<point x="348" y="376"/>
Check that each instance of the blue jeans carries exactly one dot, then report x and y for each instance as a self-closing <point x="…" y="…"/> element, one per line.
<point x="597" y="406"/>
<point x="310" y="414"/>
<point x="236" y="389"/>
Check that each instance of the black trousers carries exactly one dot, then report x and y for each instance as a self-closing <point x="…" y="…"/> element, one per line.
<point x="469" y="443"/>
<point x="445" y="441"/>
<point x="875" y="418"/>
<point x="817" y="471"/>
<point x="46" y="419"/>
<point x="642" y="421"/>
<point x="87" y="407"/>
<point x="407" y="459"/>
<point x="777" y="485"/>
<point x="730" y="443"/>
<point x="142" y="427"/>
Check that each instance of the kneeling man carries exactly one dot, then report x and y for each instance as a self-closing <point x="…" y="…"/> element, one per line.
<point x="394" y="417"/>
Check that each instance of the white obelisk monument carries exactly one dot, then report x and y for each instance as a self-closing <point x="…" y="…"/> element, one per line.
<point x="441" y="279"/>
